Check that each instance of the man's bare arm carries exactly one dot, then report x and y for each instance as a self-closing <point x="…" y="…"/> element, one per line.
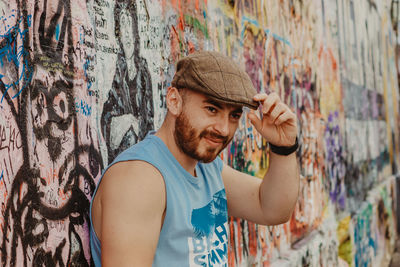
<point x="267" y="201"/>
<point x="132" y="197"/>
<point x="271" y="200"/>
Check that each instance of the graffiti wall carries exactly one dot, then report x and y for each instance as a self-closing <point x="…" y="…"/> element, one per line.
<point x="80" y="81"/>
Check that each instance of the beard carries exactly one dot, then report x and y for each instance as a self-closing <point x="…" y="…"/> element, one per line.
<point x="188" y="140"/>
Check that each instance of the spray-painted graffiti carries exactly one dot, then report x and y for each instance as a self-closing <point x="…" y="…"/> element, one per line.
<point x="374" y="227"/>
<point x="335" y="164"/>
<point x="130" y="102"/>
<point x="80" y="81"/>
<point x="13" y="54"/>
<point x="46" y="210"/>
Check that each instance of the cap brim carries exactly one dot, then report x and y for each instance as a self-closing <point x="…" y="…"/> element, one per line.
<point x="253" y="105"/>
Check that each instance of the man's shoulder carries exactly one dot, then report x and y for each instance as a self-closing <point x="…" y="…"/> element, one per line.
<point x="132" y="167"/>
<point x="137" y="162"/>
<point x="126" y="175"/>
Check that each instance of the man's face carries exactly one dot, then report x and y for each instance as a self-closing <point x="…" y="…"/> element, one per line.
<point x="205" y="127"/>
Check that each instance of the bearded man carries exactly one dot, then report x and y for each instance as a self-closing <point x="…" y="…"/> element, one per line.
<point x="165" y="201"/>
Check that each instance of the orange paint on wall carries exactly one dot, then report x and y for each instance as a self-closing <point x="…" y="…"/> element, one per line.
<point x="252" y="239"/>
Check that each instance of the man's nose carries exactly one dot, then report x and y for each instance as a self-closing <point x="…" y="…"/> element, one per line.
<point x="222" y="125"/>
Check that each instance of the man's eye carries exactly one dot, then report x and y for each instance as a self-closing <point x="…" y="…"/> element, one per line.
<point x="211" y="109"/>
<point x="236" y="116"/>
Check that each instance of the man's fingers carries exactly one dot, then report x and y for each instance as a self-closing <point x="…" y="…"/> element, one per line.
<point x="273" y="110"/>
<point x="284" y="117"/>
<point x="260" y="97"/>
<point x="276" y="111"/>
<point x="268" y="101"/>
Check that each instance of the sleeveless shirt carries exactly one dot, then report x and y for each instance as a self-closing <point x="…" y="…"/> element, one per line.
<point x="195" y="230"/>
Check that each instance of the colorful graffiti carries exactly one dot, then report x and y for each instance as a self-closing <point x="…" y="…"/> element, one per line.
<point x="45" y="215"/>
<point x="80" y="81"/>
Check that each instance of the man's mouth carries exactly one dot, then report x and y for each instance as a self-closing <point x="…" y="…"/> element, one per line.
<point x="213" y="141"/>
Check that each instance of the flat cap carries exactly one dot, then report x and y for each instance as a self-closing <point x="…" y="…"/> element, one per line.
<point x="217" y="76"/>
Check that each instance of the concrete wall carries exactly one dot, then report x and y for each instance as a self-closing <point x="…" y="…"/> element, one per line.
<point x="83" y="80"/>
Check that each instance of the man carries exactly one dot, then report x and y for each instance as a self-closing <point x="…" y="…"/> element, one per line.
<point x="165" y="200"/>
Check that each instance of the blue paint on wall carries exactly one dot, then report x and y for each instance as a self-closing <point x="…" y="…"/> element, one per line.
<point x="17" y="56"/>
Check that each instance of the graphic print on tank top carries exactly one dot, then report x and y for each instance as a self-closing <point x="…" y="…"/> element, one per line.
<point x="209" y="247"/>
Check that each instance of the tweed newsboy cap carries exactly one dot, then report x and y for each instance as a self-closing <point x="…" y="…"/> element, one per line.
<point x="217" y="76"/>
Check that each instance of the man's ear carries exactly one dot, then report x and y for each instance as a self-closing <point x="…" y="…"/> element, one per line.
<point x="174" y="101"/>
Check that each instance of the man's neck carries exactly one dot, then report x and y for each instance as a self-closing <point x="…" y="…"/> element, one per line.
<point x="166" y="134"/>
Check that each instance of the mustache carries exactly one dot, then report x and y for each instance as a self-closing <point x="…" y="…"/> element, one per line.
<point x="212" y="135"/>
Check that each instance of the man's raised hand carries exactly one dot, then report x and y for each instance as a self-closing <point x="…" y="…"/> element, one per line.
<point x="278" y="124"/>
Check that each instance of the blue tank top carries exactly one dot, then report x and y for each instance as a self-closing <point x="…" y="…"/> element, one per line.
<point x="195" y="230"/>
